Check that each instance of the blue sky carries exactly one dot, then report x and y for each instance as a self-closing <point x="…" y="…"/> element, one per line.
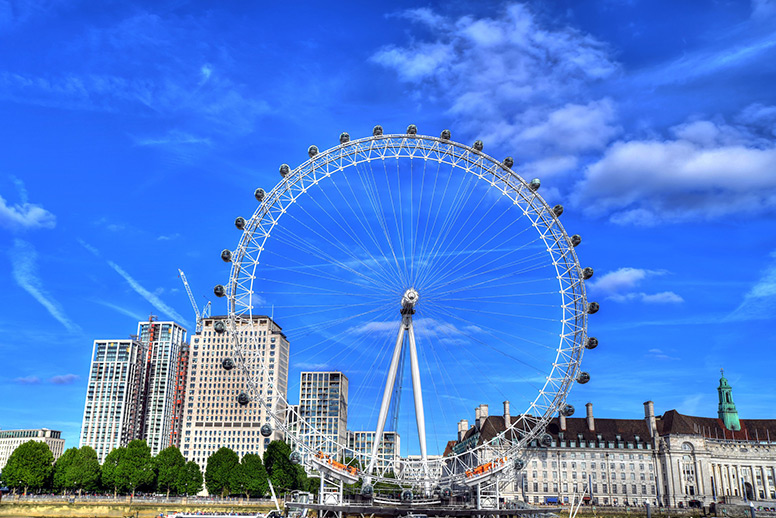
<point x="134" y="134"/>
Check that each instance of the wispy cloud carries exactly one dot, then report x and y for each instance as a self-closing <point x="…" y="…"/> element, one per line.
<point x="27" y="380"/>
<point x="135" y="315"/>
<point x="659" y="354"/>
<point x="24" y="261"/>
<point x="760" y="301"/>
<point x="64" y="379"/>
<point x="155" y="301"/>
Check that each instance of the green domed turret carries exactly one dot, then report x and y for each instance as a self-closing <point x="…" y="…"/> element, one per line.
<point x="727" y="409"/>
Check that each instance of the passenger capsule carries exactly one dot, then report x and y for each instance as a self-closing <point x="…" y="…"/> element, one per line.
<point x="446" y="135"/>
<point x="546" y="440"/>
<point x="519" y="464"/>
<point x="412" y="129"/>
<point x="227" y="364"/>
<point x="259" y="193"/>
<point x="344" y="138"/>
<point x="583" y="378"/>
<point x="219" y="327"/>
<point x="587" y="273"/>
<point x="446" y="493"/>
<point x="509" y="162"/>
<point x="284" y="170"/>
<point x="295" y="457"/>
<point x="243" y="399"/>
<point x="377" y="130"/>
<point x="567" y="410"/>
<point x="406" y="495"/>
<point x="367" y="490"/>
<point x="592" y="308"/>
<point x="239" y="222"/>
<point x="591" y="343"/>
<point x="557" y="210"/>
<point x="266" y="430"/>
<point x="219" y="290"/>
<point x="535" y="184"/>
<point x="312" y="151"/>
<point x="478" y="145"/>
<point x="226" y="255"/>
<point x="575" y="240"/>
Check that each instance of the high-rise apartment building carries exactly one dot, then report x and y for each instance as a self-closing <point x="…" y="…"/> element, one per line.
<point x="112" y="398"/>
<point x="161" y="343"/>
<point x="179" y="402"/>
<point x="323" y="411"/>
<point x="12" y="439"/>
<point x="213" y="416"/>
<point x="360" y="445"/>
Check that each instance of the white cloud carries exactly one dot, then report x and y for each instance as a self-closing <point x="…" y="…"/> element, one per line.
<point x="619" y="286"/>
<point x="24" y="262"/>
<point x="508" y="79"/>
<point x="709" y="170"/>
<point x="25" y="216"/>
<point x="760" y="301"/>
<point x="659" y="354"/>
<point x="155" y="301"/>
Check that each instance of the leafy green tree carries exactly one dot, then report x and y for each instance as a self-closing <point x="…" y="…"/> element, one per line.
<point x="136" y="467"/>
<point x="61" y="467"/>
<point x="169" y="464"/>
<point x="190" y="479"/>
<point x="30" y="466"/>
<point x="84" y="471"/>
<point x="280" y="470"/>
<point x="254" y="475"/>
<point x="218" y="474"/>
<point x="110" y="470"/>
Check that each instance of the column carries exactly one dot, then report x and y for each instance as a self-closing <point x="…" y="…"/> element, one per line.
<point x="766" y="485"/>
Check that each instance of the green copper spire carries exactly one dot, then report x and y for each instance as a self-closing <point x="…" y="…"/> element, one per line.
<point x="727" y="409"/>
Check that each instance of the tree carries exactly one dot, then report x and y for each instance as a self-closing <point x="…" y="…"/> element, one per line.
<point x="254" y="476"/>
<point x="169" y="464"/>
<point x="61" y="467"/>
<point x="30" y="466"/>
<point x="281" y="471"/>
<point x="84" y="471"/>
<point x="110" y="470"/>
<point x="190" y="479"/>
<point x="136" y="467"/>
<point x="218" y="473"/>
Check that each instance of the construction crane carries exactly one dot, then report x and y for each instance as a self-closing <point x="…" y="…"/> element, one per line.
<point x="205" y="311"/>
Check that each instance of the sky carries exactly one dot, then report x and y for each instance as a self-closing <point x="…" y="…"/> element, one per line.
<point x="134" y="133"/>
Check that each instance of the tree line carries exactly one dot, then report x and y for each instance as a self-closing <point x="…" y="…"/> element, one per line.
<point x="131" y="468"/>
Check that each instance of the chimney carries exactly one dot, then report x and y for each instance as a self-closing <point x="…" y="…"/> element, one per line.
<point x="481" y="414"/>
<point x="463" y="427"/>
<point x="649" y="416"/>
<point x="507" y="417"/>
<point x="562" y="421"/>
<point x="590" y="420"/>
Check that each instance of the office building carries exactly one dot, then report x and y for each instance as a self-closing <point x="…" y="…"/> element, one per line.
<point x="671" y="459"/>
<point x="11" y="439"/>
<point x="213" y="416"/>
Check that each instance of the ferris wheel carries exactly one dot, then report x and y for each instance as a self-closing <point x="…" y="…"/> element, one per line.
<point x="434" y="278"/>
